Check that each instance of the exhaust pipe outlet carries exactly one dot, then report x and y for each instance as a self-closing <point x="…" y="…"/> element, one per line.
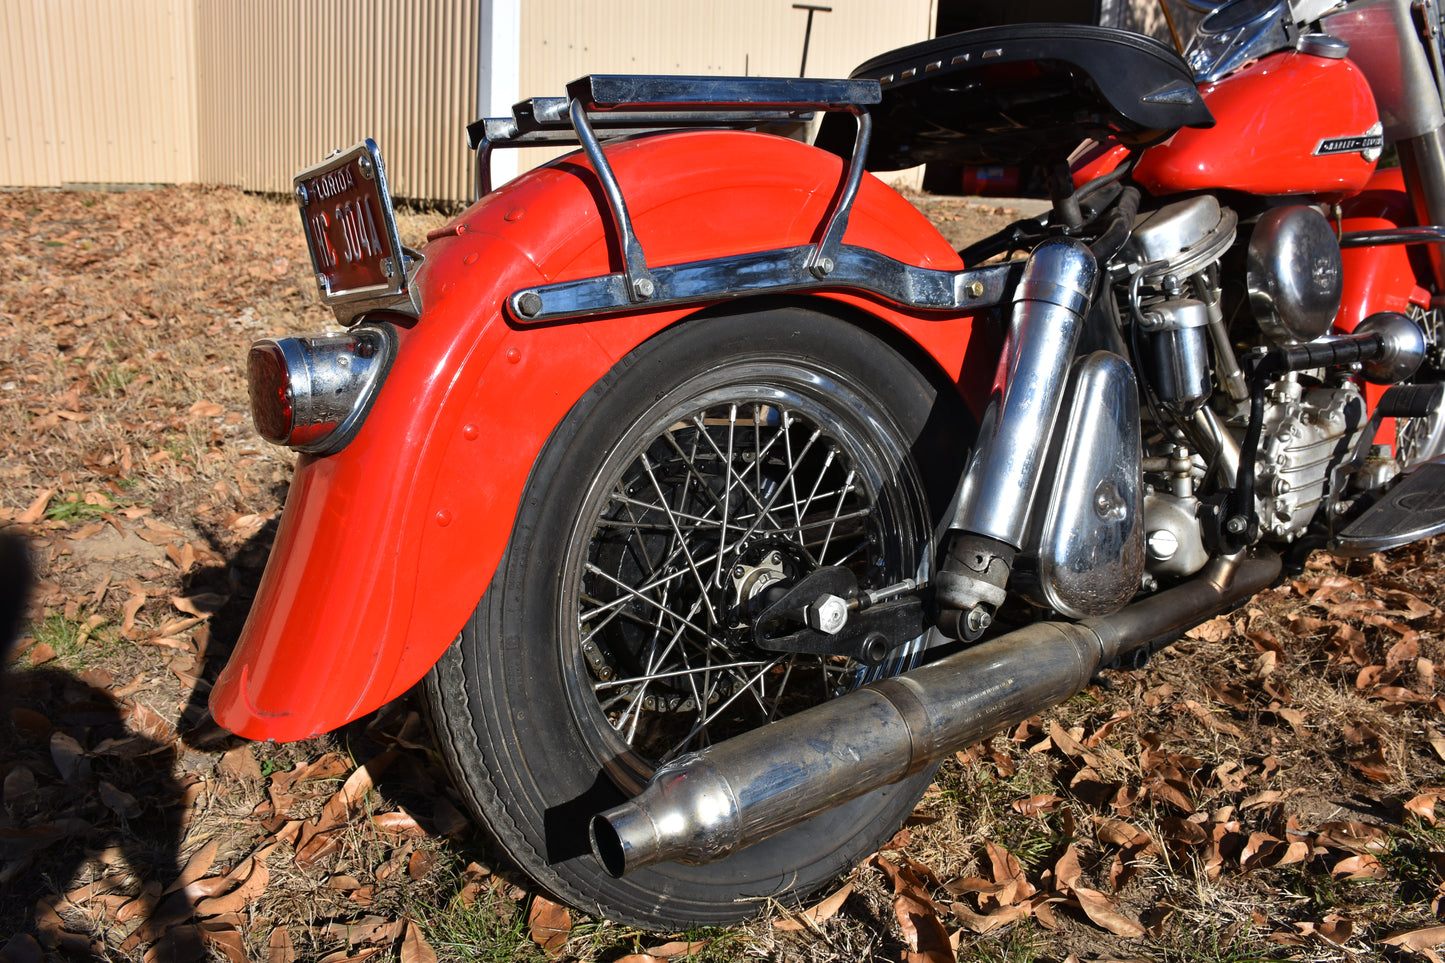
<point x="708" y="805"/>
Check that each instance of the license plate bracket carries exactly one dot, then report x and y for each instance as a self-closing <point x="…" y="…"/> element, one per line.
<point x="350" y="228"/>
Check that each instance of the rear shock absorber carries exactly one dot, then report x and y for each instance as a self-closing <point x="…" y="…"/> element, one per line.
<point x="998" y="488"/>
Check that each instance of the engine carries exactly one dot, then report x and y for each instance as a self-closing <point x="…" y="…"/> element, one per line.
<point x="1197" y="400"/>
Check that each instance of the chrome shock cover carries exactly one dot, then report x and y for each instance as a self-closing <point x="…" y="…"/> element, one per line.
<point x="1091" y="544"/>
<point x="996" y="496"/>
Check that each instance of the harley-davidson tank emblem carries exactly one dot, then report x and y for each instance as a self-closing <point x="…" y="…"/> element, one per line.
<point x="1368" y="145"/>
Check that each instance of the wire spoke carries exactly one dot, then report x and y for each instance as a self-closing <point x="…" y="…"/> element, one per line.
<point x="727" y="500"/>
<point x="703" y="722"/>
<point x="702" y="585"/>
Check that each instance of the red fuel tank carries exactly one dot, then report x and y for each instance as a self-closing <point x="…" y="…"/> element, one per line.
<point x="1291" y="123"/>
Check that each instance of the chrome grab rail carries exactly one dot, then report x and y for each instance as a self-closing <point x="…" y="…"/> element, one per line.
<point x="632" y="104"/>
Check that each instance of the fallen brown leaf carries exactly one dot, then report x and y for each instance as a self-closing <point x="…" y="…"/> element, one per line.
<point x="128" y="613"/>
<point x="1423" y="806"/>
<point x="397" y="824"/>
<point x="1354" y="837"/>
<point x="22" y="948"/>
<point x="1417" y="941"/>
<point x="1100" y="909"/>
<point x="207" y="409"/>
<point x="1034" y="805"/>
<point x="549" y="924"/>
<point x="239" y="764"/>
<point x="1333" y="929"/>
<point x="1216" y="629"/>
<point x="202" y="606"/>
<point x="681" y="947"/>
<point x="368" y="929"/>
<point x="987" y="922"/>
<point x="70" y="759"/>
<point x="36" y="510"/>
<point x="1212" y="721"/>
<point x="917" y="914"/>
<point x="1009" y="874"/>
<point x="197" y="866"/>
<point x="415" y="948"/>
<point x="822" y="910"/>
<point x="225" y="940"/>
<point x="420" y="864"/>
<point x="1362" y="866"/>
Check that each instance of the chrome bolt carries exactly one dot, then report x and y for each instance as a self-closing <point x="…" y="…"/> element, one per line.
<point x="644" y="288"/>
<point x="365" y="164"/>
<point x="974" y="289"/>
<point x="825" y="266"/>
<point x="388" y="268"/>
<point x="1236" y="525"/>
<point x="529" y="304"/>
<point x="739" y="572"/>
<point x="1163" y="544"/>
<point x="977" y="620"/>
<point x="301" y="195"/>
<point x="828" y="613"/>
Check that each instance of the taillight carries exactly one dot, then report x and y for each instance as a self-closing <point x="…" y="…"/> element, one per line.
<point x="313" y="393"/>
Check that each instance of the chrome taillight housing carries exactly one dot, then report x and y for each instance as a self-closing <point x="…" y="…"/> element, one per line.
<point x="313" y="393"/>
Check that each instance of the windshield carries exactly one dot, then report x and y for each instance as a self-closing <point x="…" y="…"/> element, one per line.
<point x="1237" y="33"/>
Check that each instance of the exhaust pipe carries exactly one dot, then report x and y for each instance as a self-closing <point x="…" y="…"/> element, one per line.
<point x="708" y="805"/>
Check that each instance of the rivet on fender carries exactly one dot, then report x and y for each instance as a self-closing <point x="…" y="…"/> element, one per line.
<point x="444" y="517"/>
<point x="470" y="432"/>
<point x="514" y="355"/>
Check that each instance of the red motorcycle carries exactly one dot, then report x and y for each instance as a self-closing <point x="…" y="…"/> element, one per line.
<point x="713" y="498"/>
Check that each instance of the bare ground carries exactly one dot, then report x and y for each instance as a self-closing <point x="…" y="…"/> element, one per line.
<point x="1265" y="788"/>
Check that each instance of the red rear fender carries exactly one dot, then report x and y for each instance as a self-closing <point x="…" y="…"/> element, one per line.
<point x="385" y="547"/>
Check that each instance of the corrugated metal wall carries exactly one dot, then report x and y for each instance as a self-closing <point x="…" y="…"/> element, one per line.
<point x="564" y="39"/>
<point x="97" y="91"/>
<point x="241" y="92"/>
<point x="282" y="82"/>
<point x="245" y="92"/>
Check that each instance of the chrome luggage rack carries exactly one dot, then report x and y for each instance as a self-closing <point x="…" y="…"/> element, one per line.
<point x="615" y="105"/>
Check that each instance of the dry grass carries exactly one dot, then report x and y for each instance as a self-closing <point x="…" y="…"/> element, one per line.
<point x="1310" y="717"/>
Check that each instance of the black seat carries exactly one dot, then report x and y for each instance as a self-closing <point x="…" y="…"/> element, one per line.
<point x="1021" y="94"/>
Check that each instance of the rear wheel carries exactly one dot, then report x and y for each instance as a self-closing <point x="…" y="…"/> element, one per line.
<point x="716" y="464"/>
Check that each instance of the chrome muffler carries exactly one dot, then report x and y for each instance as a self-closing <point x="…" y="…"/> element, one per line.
<point x="708" y="805"/>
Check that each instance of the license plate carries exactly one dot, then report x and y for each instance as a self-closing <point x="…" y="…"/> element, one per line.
<point x="350" y="226"/>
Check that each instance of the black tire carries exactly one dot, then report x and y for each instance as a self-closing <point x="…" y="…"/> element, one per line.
<point x="518" y="706"/>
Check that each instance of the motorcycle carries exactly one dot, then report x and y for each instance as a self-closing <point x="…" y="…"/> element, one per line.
<point x="712" y="498"/>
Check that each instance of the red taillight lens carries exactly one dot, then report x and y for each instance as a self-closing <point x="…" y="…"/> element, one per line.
<point x="270" y="388"/>
<point x="312" y="394"/>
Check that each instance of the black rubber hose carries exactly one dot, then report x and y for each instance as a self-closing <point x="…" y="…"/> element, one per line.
<point x="1118" y="224"/>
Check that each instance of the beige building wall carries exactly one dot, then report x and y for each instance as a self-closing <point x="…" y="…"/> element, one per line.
<point x="562" y="40"/>
<point x="97" y="91"/>
<point x="246" y="92"/>
<point x="282" y="82"/>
